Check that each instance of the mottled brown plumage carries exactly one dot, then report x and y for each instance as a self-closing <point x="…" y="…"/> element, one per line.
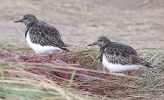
<point x="117" y="57"/>
<point x="42" y="37"/>
<point x="118" y="53"/>
<point x="42" y="33"/>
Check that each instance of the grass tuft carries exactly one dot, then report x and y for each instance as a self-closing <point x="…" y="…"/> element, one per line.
<point x="76" y="75"/>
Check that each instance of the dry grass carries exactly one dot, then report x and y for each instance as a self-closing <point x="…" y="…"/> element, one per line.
<point x="76" y="76"/>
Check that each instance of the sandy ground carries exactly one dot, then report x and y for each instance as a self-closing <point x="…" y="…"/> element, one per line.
<point x="138" y="23"/>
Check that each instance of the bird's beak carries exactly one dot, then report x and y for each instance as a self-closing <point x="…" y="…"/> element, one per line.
<point x="21" y="20"/>
<point x="94" y="43"/>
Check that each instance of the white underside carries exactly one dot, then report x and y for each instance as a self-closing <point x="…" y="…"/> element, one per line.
<point x="118" y="67"/>
<point x="48" y="50"/>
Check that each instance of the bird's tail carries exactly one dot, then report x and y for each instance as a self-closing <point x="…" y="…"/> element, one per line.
<point x="148" y="65"/>
<point x="65" y="49"/>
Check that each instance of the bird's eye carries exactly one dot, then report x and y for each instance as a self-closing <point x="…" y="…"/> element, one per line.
<point x="100" y="40"/>
<point x="25" y="17"/>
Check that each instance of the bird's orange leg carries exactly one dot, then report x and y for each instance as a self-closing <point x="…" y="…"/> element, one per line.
<point x="49" y="59"/>
<point x="35" y="60"/>
<point x="110" y="77"/>
<point x="129" y="73"/>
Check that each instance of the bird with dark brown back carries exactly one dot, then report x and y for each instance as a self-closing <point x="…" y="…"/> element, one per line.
<point x="42" y="37"/>
<point x="117" y="57"/>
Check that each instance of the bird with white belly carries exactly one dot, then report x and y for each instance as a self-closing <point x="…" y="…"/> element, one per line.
<point x="117" y="57"/>
<point x="42" y="37"/>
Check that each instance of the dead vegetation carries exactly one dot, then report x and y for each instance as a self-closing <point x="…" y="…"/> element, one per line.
<point x="77" y="75"/>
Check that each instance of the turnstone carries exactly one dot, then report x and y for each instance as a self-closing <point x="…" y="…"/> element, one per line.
<point x="117" y="57"/>
<point x="41" y="37"/>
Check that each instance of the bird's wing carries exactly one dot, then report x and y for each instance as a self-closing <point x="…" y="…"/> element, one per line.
<point x="117" y="53"/>
<point x="46" y="35"/>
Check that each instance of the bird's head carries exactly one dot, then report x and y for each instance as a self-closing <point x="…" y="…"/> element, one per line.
<point x="101" y="41"/>
<point x="27" y="19"/>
